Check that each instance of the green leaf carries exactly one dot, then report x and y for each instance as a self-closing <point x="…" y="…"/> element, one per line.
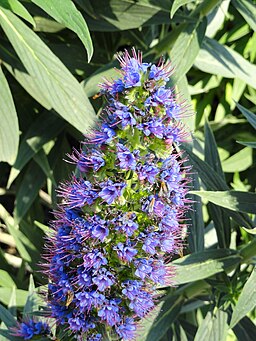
<point x="16" y="7"/>
<point x="65" y="12"/>
<point x="177" y="4"/>
<point x="239" y="161"/>
<point x="213" y="181"/>
<point x="31" y="303"/>
<point x="251" y="231"/>
<point x="59" y="86"/>
<point x="7" y="317"/>
<point x="248" y="10"/>
<point x="245" y="330"/>
<point x="233" y="200"/>
<point x="218" y="59"/>
<point x="220" y="219"/>
<point x="196" y="230"/>
<point x="6" y="280"/>
<point x="246" y="301"/>
<point x="186" y="47"/>
<point x="203" y="264"/>
<point x="6" y="293"/>
<point x="251" y="118"/>
<point x="168" y="314"/>
<point x="28" y="190"/>
<point x="214" y="327"/>
<point x="9" y="127"/>
<point x="91" y="83"/>
<point x="42" y="161"/>
<point x="248" y="144"/>
<point x="45" y="128"/>
<point x="12" y="304"/>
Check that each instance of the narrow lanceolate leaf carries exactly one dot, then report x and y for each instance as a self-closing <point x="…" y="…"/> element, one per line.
<point x="203" y="264"/>
<point x="214" y="327"/>
<point x="220" y="218"/>
<point x="65" y="12"/>
<point x="251" y="118"/>
<point x="7" y="317"/>
<point x="46" y="127"/>
<point x="9" y="127"/>
<point x="28" y="190"/>
<point x="186" y="47"/>
<point x="247" y="9"/>
<point x="16" y="7"/>
<point x="62" y="90"/>
<point x="239" y="161"/>
<point x="218" y="59"/>
<point x="233" y="200"/>
<point x="248" y="144"/>
<point x="246" y="301"/>
<point x="177" y="4"/>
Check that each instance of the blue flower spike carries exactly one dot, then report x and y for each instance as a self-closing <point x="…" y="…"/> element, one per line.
<point x="122" y="219"/>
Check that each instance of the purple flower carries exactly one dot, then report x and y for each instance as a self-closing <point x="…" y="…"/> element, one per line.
<point x="104" y="279"/>
<point x="126" y="158"/>
<point x="30" y="328"/>
<point x="118" y="86"/>
<point x="125" y="117"/>
<point x="111" y="191"/>
<point x="110" y="313"/>
<point x="147" y="172"/>
<point x="105" y="135"/>
<point x="158" y="73"/>
<point x="127" y="330"/>
<point x="125" y="253"/>
<point x="144" y="268"/>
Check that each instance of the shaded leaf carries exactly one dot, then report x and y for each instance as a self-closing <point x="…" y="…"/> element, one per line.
<point x="233" y="200"/>
<point x="31" y="303"/>
<point x="186" y="47"/>
<point x="251" y="118"/>
<point x="28" y="190"/>
<point x="220" y="219"/>
<point x="248" y="144"/>
<point x="42" y="130"/>
<point x="248" y="10"/>
<point x="203" y="264"/>
<point x="245" y="330"/>
<point x="218" y="59"/>
<point x="177" y="4"/>
<point x="59" y="86"/>
<point x="42" y="161"/>
<point x="246" y="301"/>
<point x="6" y="293"/>
<point x="6" y="316"/>
<point x="214" y="327"/>
<point x="9" y="127"/>
<point x="65" y="12"/>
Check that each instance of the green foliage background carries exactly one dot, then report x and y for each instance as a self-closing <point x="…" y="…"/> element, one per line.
<point x="53" y="53"/>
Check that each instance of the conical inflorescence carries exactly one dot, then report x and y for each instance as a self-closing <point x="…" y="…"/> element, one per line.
<point x="121" y="219"/>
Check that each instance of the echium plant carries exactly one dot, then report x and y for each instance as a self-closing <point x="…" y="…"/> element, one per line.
<point x="122" y="218"/>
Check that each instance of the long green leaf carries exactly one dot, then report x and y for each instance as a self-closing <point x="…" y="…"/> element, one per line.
<point x="16" y="7"/>
<point x="7" y="317"/>
<point x="177" y="4"/>
<point x="6" y="280"/>
<point x="220" y="218"/>
<point x="28" y="190"/>
<point x="233" y="200"/>
<point x="186" y="47"/>
<point x="203" y="264"/>
<point x="239" y="161"/>
<point x="214" y="327"/>
<point x="9" y="127"/>
<point x="45" y="128"/>
<point x="251" y="118"/>
<point x="246" y="301"/>
<point x="65" y="12"/>
<point x="248" y="10"/>
<point x="59" y="86"/>
<point x="218" y="59"/>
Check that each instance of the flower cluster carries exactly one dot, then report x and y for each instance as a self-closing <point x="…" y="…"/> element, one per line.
<point x="123" y="215"/>
<point x="31" y="330"/>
